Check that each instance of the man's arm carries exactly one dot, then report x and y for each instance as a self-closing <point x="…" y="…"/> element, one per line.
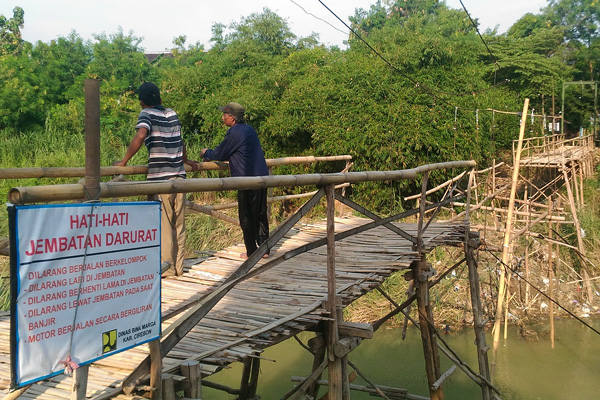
<point x="194" y="164"/>
<point x="134" y="146"/>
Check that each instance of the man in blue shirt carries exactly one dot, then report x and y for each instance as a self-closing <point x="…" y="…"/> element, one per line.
<point x="241" y="147"/>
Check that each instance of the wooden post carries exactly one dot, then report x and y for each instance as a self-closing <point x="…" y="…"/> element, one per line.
<point x="92" y="191"/>
<point x="92" y="139"/>
<point x="270" y="194"/>
<point x="421" y="273"/>
<point x="245" y="383"/>
<point x="507" y="234"/>
<point x="317" y="346"/>
<point x="168" y="388"/>
<point x="471" y="244"/>
<point x="254" y="377"/>
<point x="79" y="387"/>
<point x="156" y="369"/>
<point x="335" y="363"/>
<point x="191" y="370"/>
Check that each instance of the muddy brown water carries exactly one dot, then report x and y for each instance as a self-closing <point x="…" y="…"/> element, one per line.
<point x="527" y="369"/>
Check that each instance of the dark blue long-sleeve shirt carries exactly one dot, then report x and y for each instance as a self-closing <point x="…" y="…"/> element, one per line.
<point x="241" y="147"/>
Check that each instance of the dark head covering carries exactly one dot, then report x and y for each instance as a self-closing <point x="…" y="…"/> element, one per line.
<point x="234" y="109"/>
<point x="148" y="93"/>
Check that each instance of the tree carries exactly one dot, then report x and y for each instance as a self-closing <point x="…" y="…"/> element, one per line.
<point x="119" y="63"/>
<point x="581" y="18"/>
<point x="58" y="65"/>
<point x="10" y="32"/>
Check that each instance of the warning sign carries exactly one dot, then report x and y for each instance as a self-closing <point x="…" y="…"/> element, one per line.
<point x="87" y="283"/>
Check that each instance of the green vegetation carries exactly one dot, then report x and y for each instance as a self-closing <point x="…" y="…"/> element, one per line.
<point x="425" y="97"/>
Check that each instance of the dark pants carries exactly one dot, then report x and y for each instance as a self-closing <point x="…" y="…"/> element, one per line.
<point x="252" y="206"/>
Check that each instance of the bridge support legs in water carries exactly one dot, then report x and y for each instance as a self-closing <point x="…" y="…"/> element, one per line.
<point x="249" y="378"/>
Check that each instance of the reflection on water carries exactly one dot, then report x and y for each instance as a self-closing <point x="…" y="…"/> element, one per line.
<point x="527" y="370"/>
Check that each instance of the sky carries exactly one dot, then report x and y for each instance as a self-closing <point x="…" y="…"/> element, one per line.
<point x="158" y="22"/>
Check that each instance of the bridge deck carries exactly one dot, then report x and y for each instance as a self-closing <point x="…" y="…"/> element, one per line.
<point x="260" y="311"/>
<point x="556" y="157"/>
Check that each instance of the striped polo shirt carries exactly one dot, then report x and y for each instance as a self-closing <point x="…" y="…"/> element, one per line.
<point x="163" y="141"/>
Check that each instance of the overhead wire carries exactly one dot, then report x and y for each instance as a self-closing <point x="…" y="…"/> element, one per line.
<point x="429" y="90"/>
<point x="320" y="19"/>
<point x="481" y="37"/>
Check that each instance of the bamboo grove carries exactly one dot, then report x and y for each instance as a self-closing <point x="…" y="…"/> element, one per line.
<point x="426" y="89"/>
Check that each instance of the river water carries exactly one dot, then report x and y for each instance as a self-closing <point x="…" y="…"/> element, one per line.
<point x="527" y="369"/>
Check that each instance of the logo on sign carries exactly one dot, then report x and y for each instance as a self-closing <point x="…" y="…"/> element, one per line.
<point x="109" y="341"/>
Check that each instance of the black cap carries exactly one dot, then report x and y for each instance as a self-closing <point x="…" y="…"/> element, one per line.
<point x="234" y="109"/>
<point x="148" y="93"/>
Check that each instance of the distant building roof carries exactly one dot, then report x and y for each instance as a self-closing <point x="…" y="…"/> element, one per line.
<point x="153" y="56"/>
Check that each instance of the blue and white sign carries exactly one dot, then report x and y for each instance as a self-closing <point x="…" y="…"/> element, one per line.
<point x="88" y="283"/>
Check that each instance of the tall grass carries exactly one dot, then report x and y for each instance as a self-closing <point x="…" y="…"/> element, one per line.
<point x="54" y="148"/>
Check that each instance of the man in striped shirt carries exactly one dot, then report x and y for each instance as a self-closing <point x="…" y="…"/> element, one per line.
<point x="159" y="129"/>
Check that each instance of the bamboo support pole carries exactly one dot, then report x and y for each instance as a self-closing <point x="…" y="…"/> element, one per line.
<point x="435" y="189"/>
<point x="475" y="291"/>
<point x="209" y="211"/>
<point x="580" y="244"/>
<point x="581" y="186"/>
<point x="317" y="347"/>
<point x="506" y="244"/>
<point x="79" y="172"/>
<point x="421" y="270"/>
<point x="550" y="278"/>
<point x="91" y="191"/>
<point x="335" y="363"/>
<point x="37" y="194"/>
<point x="156" y="369"/>
<point x="217" y="207"/>
<point x="575" y="188"/>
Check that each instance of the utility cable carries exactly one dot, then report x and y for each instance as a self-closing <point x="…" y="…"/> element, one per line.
<point x="320" y="19"/>
<point x="481" y="37"/>
<point x="429" y="90"/>
<point x="542" y="293"/>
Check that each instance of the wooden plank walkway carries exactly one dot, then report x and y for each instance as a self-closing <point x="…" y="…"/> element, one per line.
<point x="260" y="311"/>
<point x="556" y="157"/>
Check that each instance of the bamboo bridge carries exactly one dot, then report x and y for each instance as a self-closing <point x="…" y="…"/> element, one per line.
<point x="225" y="309"/>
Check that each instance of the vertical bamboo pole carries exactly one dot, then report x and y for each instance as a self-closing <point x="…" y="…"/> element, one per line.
<point x="91" y="89"/>
<point x="254" y="377"/>
<point x="156" y="370"/>
<point x="507" y="234"/>
<point x="527" y="274"/>
<point x="474" y="287"/>
<point x="317" y="346"/>
<point x="580" y="169"/>
<point x="575" y="185"/>
<point x="550" y="272"/>
<point x="335" y="363"/>
<point x="421" y="271"/>
<point x="245" y="381"/>
<point x="92" y="138"/>
<point x="494" y="191"/>
<point x="580" y="244"/>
